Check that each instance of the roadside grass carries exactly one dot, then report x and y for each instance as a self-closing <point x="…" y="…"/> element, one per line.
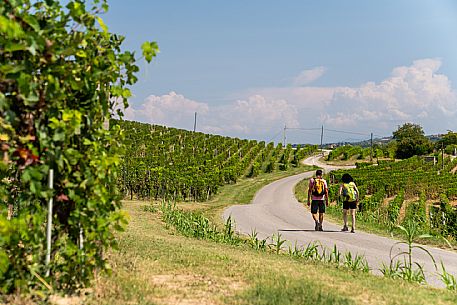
<point x="156" y="265"/>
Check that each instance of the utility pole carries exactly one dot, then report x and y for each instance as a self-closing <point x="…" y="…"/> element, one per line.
<point x="284" y="136"/>
<point x="49" y="223"/>
<point x="322" y="137"/>
<point x="371" y="147"/>
<point x="195" y="121"/>
<point x="442" y="155"/>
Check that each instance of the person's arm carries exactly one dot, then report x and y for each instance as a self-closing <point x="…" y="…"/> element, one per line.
<point x="309" y="193"/>
<point x="357" y="190"/>
<point x="326" y="195"/>
<point x="340" y="192"/>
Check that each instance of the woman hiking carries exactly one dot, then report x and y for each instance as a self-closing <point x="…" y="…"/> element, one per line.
<point x="350" y="194"/>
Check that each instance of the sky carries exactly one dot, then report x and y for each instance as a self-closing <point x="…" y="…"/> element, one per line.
<point x="250" y="68"/>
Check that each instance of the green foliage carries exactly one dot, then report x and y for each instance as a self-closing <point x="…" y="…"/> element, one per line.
<point x="448" y="279"/>
<point x="278" y="242"/>
<point x="254" y="170"/>
<point x="417" y="212"/>
<point x="21" y="249"/>
<point x="412" y="178"/>
<point x="394" y="207"/>
<point x="405" y="268"/>
<point x="255" y="242"/>
<point x="451" y="149"/>
<point x="357" y="262"/>
<point x="61" y="76"/>
<point x="196" y="225"/>
<point x="411" y="141"/>
<point x="448" y="139"/>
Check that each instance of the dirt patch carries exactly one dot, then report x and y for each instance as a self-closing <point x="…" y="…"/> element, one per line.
<point x="192" y="289"/>
<point x="385" y="202"/>
<point x="404" y="206"/>
<point x="454" y="170"/>
<point x="453" y="203"/>
<point x="65" y="300"/>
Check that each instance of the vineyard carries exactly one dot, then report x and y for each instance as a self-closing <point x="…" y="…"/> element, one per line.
<point x="168" y="163"/>
<point x="417" y="189"/>
<point x="347" y="152"/>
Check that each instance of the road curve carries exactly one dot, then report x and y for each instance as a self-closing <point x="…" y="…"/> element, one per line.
<point x="275" y="209"/>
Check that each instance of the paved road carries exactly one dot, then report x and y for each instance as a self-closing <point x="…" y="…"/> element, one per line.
<point x="275" y="209"/>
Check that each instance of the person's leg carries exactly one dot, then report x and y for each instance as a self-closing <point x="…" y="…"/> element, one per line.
<point x="353" y="219"/>
<point x="314" y="208"/>
<point x="316" y="222"/>
<point x="321" y="214"/>
<point x="345" y="219"/>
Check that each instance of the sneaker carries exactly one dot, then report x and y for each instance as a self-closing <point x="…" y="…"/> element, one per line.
<point x="352" y="230"/>
<point x="316" y="227"/>
<point x="345" y="228"/>
<point x="320" y="227"/>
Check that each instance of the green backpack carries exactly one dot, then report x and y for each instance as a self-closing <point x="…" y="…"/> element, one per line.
<point x="350" y="192"/>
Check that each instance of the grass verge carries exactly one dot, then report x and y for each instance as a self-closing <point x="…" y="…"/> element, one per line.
<point x="155" y="265"/>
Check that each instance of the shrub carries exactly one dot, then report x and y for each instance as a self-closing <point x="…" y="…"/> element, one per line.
<point x="61" y="73"/>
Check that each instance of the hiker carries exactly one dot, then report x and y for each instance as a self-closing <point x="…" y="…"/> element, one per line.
<point x="317" y="193"/>
<point x="350" y="193"/>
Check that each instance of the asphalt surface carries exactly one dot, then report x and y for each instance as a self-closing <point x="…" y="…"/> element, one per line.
<point x="275" y="209"/>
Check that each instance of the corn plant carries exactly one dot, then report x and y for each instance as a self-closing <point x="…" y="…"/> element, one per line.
<point x="357" y="262"/>
<point x="448" y="279"/>
<point x="334" y="256"/>
<point x="406" y="269"/>
<point x="255" y="242"/>
<point x="295" y="252"/>
<point x="229" y="232"/>
<point x="196" y="225"/>
<point x="392" y="270"/>
<point x="277" y="242"/>
<point x="311" y="252"/>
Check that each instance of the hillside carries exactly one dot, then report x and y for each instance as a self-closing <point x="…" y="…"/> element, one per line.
<point x="168" y="163"/>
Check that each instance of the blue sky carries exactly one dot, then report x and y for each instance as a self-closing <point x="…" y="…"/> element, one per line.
<point x="250" y="67"/>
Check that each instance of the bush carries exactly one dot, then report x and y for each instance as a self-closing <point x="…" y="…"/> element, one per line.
<point x="61" y="72"/>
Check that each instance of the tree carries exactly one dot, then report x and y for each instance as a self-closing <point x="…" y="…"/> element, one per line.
<point x="61" y="74"/>
<point x="448" y="139"/>
<point x="411" y="141"/>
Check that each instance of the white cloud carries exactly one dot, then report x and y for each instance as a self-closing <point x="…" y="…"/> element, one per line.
<point x="308" y="76"/>
<point x="412" y="93"/>
<point x="171" y="109"/>
<point x="417" y="93"/>
<point x="255" y="116"/>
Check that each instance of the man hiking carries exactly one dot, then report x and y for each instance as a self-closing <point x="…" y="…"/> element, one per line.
<point x="350" y="193"/>
<point x="317" y="193"/>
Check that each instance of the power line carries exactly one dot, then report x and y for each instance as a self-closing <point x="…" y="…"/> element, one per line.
<point x="297" y="128"/>
<point x="348" y="132"/>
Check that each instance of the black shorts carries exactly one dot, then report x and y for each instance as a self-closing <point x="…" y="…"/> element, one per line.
<point x="349" y="205"/>
<point x="317" y="205"/>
